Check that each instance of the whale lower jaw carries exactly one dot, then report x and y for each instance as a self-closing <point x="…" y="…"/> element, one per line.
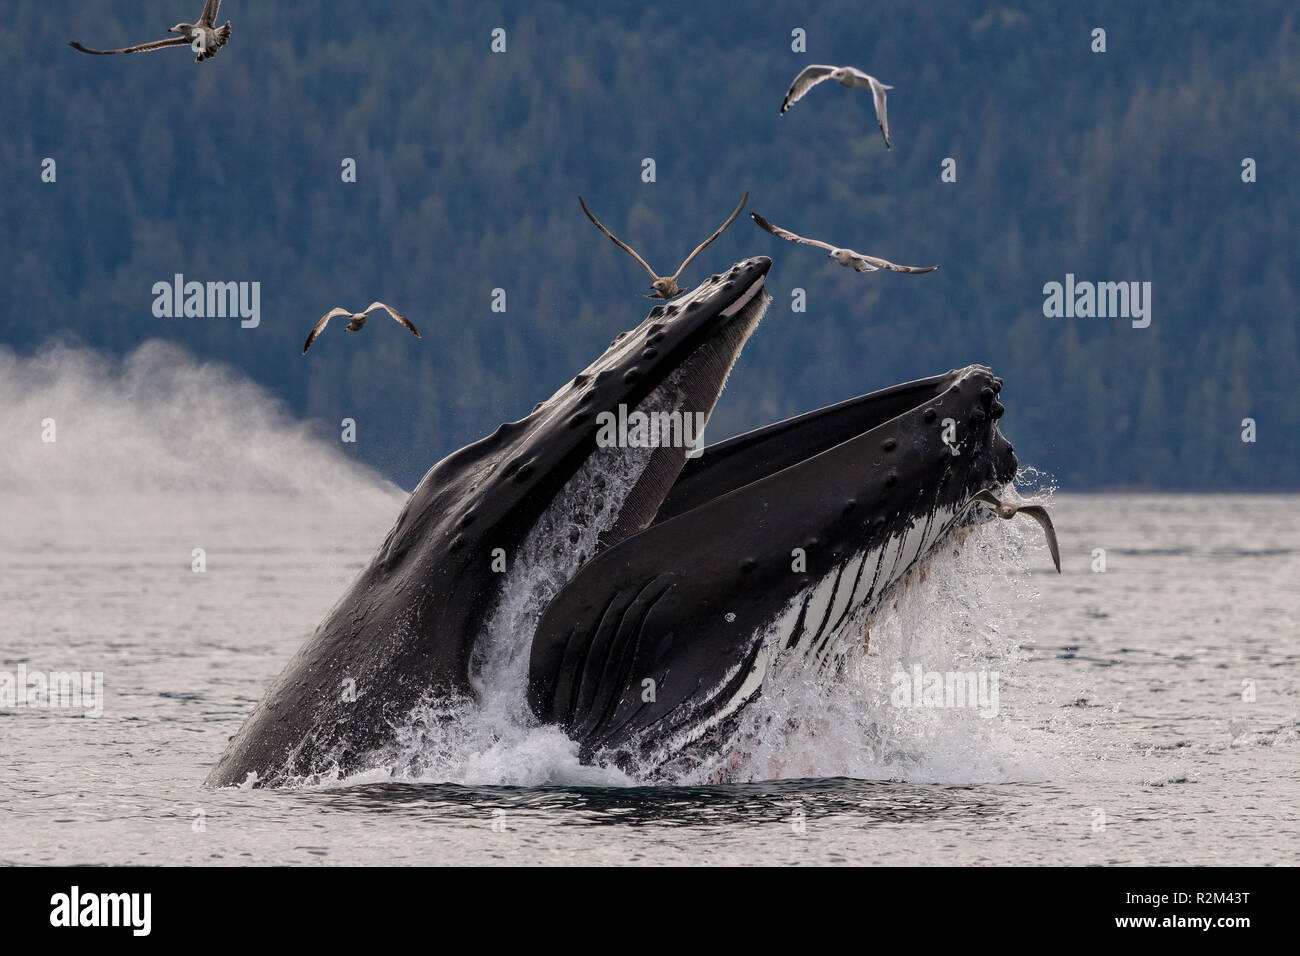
<point x="816" y="631"/>
<point x="770" y="555"/>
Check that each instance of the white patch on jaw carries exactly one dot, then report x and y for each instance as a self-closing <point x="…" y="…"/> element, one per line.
<point x="848" y="582"/>
<point x="744" y="300"/>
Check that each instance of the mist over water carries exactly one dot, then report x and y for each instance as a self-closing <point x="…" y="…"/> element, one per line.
<point x="157" y="420"/>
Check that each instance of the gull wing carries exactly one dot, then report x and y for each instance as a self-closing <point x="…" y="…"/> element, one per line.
<point x="808" y="77"/>
<point x="395" y="314"/>
<point x="985" y="496"/>
<point x="1039" y="514"/>
<point x="788" y="235"/>
<point x="210" y="10"/>
<point x="877" y="263"/>
<point x="319" y="327"/>
<point x="861" y="78"/>
<point x="141" y="48"/>
<point x="878" y="95"/>
<point x="618" y="242"/>
<point x="700" y="248"/>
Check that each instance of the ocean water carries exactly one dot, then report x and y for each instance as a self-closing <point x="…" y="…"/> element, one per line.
<point x="1147" y="713"/>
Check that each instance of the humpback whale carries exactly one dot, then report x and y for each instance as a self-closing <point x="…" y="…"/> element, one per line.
<point x="645" y="593"/>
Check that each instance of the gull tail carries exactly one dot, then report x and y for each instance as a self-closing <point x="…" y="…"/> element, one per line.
<point x="223" y="36"/>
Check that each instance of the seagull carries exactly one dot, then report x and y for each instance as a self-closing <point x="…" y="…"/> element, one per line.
<point x="355" y="321"/>
<point x="665" y="287"/>
<point x="848" y="76"/>
<point x="205" y="37"/>
<point x="1009" y="511"/>
<point x="845" y="257"/>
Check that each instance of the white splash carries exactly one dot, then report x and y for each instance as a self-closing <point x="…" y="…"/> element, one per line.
<point x="959" y="616"/>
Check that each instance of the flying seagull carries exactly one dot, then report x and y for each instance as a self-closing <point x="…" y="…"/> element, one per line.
<point x="848" y="76"/>
<point x="355" y="321"/>
<point x="665" y="287"/>
<point x="845" y="257"/>
<point x="1009" y="511"/>
<point x="205" y="36"/>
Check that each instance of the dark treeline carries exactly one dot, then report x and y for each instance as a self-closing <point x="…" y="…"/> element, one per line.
<point x="1116" y="166"/>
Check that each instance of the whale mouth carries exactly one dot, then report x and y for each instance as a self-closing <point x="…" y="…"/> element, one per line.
<point x="775" y="545"/>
